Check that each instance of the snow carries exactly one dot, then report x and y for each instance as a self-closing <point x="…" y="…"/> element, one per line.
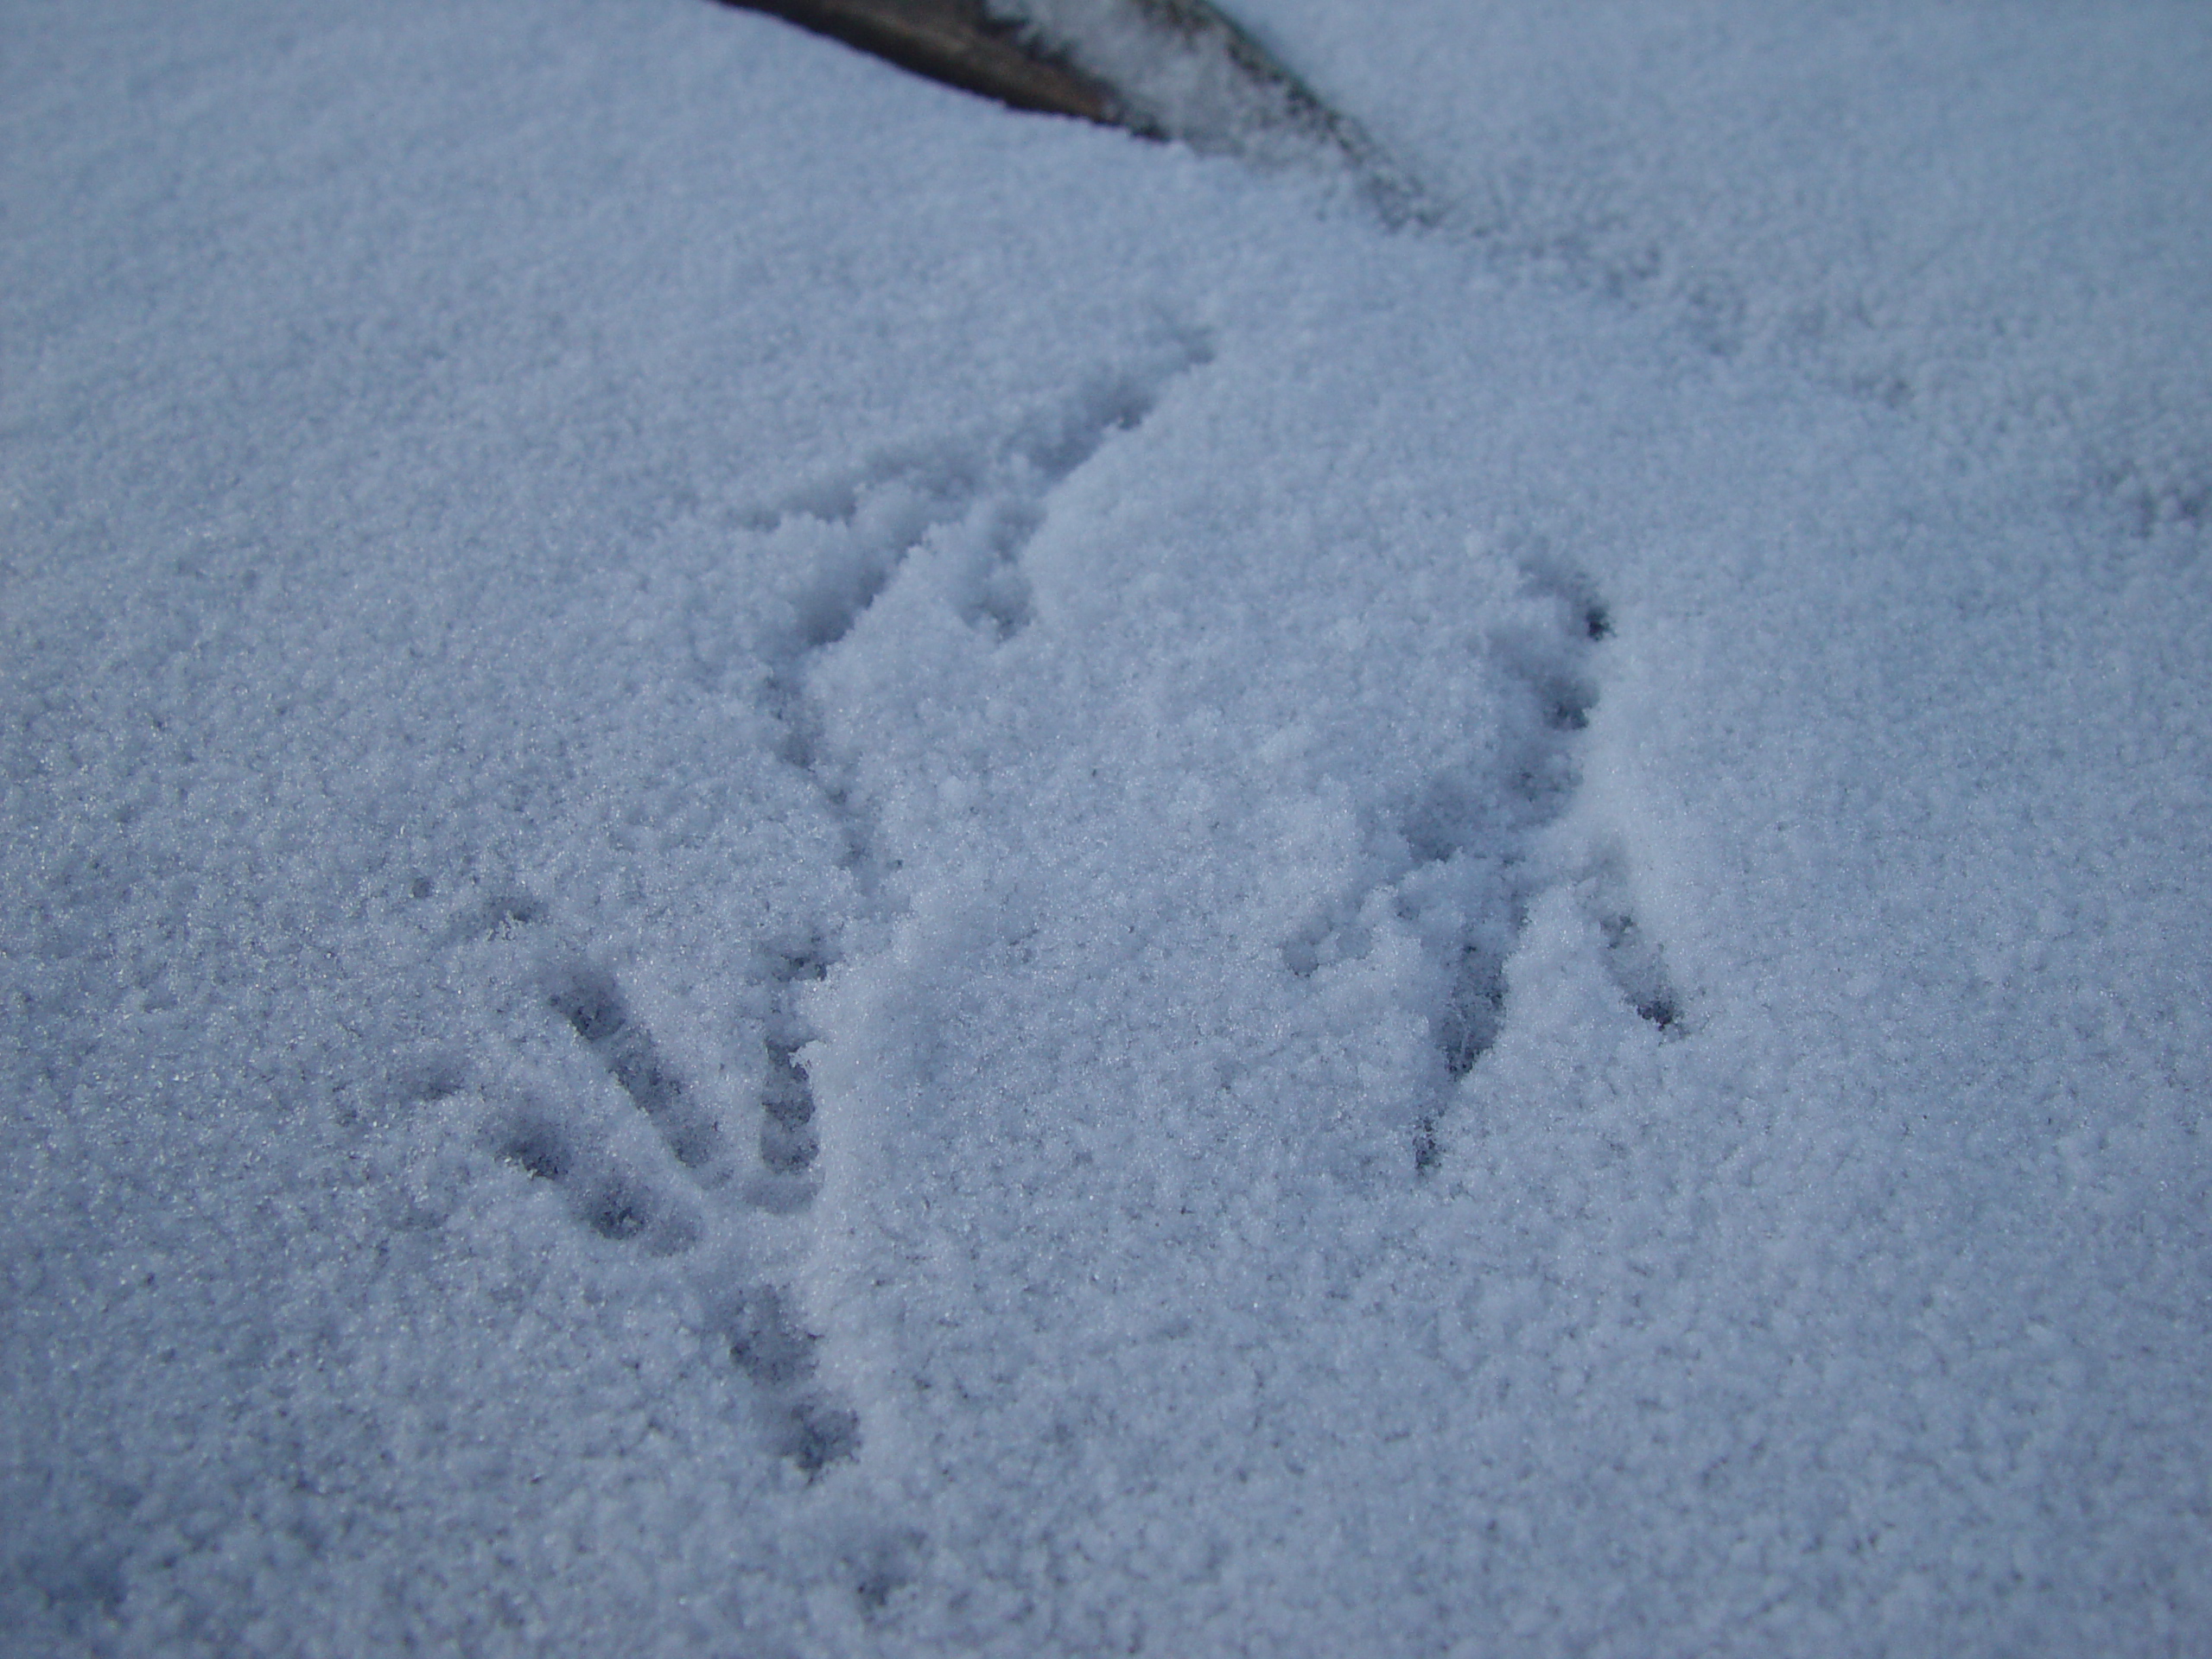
<point x="791" y="867"/>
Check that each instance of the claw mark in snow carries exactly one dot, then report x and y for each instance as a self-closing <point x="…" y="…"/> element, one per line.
<point x="607" y="1192"/>
<point x="789" y="1142"/>
<point x="590" y="1001"/>
<point x="1638" y="970"/>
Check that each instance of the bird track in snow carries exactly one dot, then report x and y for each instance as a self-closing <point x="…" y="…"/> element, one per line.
<point x="1468" y="870"/>
<point x="656" y="1195"/>
<point x="708" y="1155"/>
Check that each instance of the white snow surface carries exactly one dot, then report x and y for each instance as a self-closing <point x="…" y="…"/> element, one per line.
<point x="790" y="867"/>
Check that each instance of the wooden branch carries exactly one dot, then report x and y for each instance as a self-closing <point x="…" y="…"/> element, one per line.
<point x="956" y="42"/>
<point x="963" y="44"/>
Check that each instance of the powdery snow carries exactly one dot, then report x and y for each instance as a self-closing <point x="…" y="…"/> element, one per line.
<point x="791" y="867"/>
